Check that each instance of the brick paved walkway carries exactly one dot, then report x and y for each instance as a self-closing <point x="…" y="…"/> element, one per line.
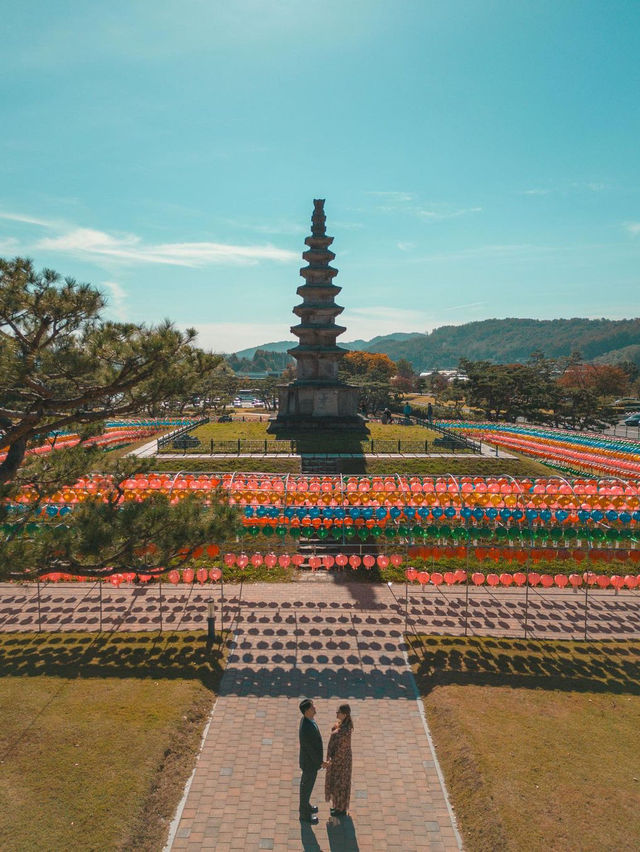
<point x="333" y="641"/>
<point x="334" y="648"/>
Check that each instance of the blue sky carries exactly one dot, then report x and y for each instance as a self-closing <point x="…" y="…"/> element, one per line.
<point x="479" y="159"/>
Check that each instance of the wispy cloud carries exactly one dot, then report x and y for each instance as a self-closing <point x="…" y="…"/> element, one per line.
<point x="393" y="195"/>
<point x="536" y="191"/>
<point x="26" y="220"/>
<point x="9" y="245"/>
<point x="437" y="215"/>
<point x="129" y="248"/>
<point x="233" y="336"/>
<point x="118" y="299"/>
<point x="632" y="228"/>
<point x="94" y="244"/>
<point x="405" y="246"/>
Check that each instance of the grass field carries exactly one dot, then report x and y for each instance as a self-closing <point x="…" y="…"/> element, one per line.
<point x="537" y="741"/>
<point x="99" y="736"/>
<point x="456" y="464"/>
<point x="345" y="442"/>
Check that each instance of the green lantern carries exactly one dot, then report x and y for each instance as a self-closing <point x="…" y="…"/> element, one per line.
<point x="267" y="530"/>
<point x="350" y="532"/>
<point x="390" y="532"/>
<point x="294" y="532"/>
<point x="281" y="531"/>
<point x="417" y="531"/>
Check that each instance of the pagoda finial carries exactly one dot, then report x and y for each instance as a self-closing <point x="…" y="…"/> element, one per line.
<point x="318" y="218"/>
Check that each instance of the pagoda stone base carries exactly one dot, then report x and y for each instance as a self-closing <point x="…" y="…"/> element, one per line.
<point x="311" y="406"/>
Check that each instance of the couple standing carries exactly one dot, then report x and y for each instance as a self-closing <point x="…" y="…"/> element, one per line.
<point x="337" y="786"/>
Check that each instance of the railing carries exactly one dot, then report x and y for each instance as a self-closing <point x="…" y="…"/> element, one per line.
<point x="246" y="446"/>
<point x="473" y="446"/>
<point x="183" y="430"/>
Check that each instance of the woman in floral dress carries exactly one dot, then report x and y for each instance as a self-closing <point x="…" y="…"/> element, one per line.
<point x="337" y="785"/>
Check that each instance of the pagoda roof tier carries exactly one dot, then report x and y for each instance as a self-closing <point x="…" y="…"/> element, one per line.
<point x="330" y="326"/>
<point x="303" y="289"/>
<point x="318" y="241"/>
<point x="318" y="253"/>
<point x="316" y="349"/>
<point x="329" y="271"/>
<point x="305" y="307"/>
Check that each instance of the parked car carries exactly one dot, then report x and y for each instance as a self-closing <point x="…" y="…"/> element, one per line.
<point x="632" y="419"/>
<point x="224" y="418"/>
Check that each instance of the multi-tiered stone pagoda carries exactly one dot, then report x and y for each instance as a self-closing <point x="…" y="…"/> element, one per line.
<point x="317" y="398"/>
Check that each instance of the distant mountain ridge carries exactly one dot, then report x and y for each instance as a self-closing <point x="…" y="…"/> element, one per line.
<point x="501" y="341"/>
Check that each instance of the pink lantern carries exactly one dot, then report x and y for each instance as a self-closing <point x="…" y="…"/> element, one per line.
<point x="561" y="580"/>
<point x="354" y="561"/>
<point x="477" y="578"/>
<point x="270" y="560"/>
<point x="449" y="578"/>
<point x="215" y="574"/>
<point x="283" y="560"/>
<point x="506" y="579"/>
<point x="575" y="580"/>
<point x="242" y="561"/>
<point x="603" y="581"/>
<point x="411" y="574"/>
<point x="115" y="580"/>
<point x="383" y="562"/>
<point x="256" y="560"/>
<point x="145" y="578"/>
<point x="173" y="577"/>
<point x="534" y="578"/>
<point x="328" y="561"/>
<point x="630" y="581"/>
<point x="589" y="578"/>
<point x="201" y="575"/>
<point x="546" y="581"/>
<point x="341" y="560"/>
<point x="493" y="579"/>
<point x="395" y="559"/>
<point x="423" y="577"/>
<point x="437" y="578"/>
<point x="229" y="559"/>
<point x="315" y="562"/>
<point x="297" y="559"/>
<point x="519" y="578"/>
<point x="368" y="561"/>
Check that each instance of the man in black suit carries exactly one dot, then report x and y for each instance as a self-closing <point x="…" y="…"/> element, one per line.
<point x="310" y="760"/>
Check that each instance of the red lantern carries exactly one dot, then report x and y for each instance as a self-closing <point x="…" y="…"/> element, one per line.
<point x="396" y="560"/>
<point x="173" y="577"/>
<point x="212" y="551"/>
<point x="423" y="577"/>
<point x="229" y="559"/>
<point x="437" y="578"/>
<point x="215" y="574"/>
<point x="477" y="578"/>
<point x="144" y="578"/>
<point x="197" y="553"/>
<point x="328" y="561"/>
<point x="411" y="574"/>
<point x="341" y="560"/>
<point x="533" y="578"/>
<point x="368" y="561"/>
<point x="519" y="578"/>
<point x="201" y="575"/>
<point x="297" y="559"/>
<point x="354" y="561"/>
<point x="383" y="561"/>
<point x="506" y="579"/>
<point x="315" y="562"/>
<point x="450" y="578"/>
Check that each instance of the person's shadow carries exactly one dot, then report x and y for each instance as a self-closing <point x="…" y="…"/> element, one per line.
<point x="341" y="833"/>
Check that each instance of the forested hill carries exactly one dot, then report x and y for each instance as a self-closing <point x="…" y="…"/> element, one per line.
<point x="510" y="340"/>
<point x="503" y="341"/>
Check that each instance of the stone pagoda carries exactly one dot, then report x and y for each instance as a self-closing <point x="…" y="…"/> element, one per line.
<point x="317" y="399"/>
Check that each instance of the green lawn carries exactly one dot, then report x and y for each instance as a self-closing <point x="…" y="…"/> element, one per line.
<point x="99" y="736"/>
<point x="537" y="740"/>
<point x="456" y="464"/>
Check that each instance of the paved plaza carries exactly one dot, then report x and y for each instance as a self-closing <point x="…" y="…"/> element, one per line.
<point x="334" y="641"/>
